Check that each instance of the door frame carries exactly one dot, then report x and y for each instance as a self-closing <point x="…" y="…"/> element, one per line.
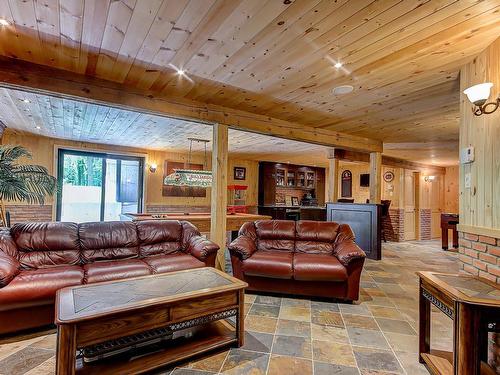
<point x="61" y="151"/>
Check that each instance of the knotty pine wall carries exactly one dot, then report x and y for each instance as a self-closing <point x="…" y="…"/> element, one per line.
<point x="480" y="204"/>
<point x="43" y="150"/>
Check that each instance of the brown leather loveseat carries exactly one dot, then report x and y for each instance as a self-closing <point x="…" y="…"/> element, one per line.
<point x="313" y="258"/>
<point x="37" y="259"/>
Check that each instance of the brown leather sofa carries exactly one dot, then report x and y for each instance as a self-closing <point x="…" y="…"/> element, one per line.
<point x="314" y="258"/>
<point x="37" y="259"/>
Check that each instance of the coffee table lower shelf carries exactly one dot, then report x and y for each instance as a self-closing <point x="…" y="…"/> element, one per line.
<point x="212" y="336"/>
<point x="439" y="362"/>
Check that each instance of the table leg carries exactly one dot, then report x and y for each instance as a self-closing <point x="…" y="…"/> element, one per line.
<point x="66" y="350"/>
<point x="455" y="237"/>
<point x="444" y="237"/>
<point x="240" y="324"/>
<point x="466" y="345"/>
<point x="424" y="326"/>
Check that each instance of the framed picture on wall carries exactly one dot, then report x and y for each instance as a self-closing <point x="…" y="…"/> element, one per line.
<point x="240" y="173"/>
<point x="295" y="201"/>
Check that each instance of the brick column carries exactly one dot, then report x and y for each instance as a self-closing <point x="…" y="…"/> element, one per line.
<point x="480" y="256"/>
<point x="425" y="223"/>
<point x="394" y="225"/>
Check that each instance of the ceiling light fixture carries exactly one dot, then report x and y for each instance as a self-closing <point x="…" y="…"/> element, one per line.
<point x="181" y="72"/>
<point x="38" y="127"/>
<point x="342" y="90"/>
<point x="338" y="65"/>
<point x="478" y="95"/>
<point x="4" y="22"/>
<point x="25" y="100"/>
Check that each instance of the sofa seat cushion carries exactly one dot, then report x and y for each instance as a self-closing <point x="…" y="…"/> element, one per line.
<point x="274" y="264"/>
<point x="38" y="287"/>
<point x="114" y="270"/>
<point x="318" y="267"/>
<point x="172" y="262"/>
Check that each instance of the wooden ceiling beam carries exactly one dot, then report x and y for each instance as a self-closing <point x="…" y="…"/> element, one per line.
<point x="388" y="161"/>
<point x="40" y="79"/>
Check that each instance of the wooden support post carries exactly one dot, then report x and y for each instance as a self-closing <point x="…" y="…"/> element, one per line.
<point x="375" y="177"/>
<point x="333" y="177"/>
<point x="218" y="206"/>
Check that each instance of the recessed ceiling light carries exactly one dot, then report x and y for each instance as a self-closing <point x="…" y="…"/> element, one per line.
<point x="181" y="72"/>
<point x="38" y="127"/>
<point x="341" y="90"/>
<point x="338" y="65"/>
<point x="4" y="22"/>
<point x="25" y="100"/>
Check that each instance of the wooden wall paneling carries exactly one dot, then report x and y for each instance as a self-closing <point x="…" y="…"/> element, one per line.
<point x="218" y="207"/>
<point x="479" y="204"/>
<point x="375" y="177"/>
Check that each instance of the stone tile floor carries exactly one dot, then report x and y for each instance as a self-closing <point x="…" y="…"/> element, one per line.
<point x="287" y="335"/>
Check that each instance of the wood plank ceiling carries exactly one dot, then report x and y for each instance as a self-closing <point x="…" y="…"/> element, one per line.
<point x="274" y="57"/>
<point x="58" y="118"/>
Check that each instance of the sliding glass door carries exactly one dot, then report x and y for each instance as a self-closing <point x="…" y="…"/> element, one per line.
<point x="98" y="186"/>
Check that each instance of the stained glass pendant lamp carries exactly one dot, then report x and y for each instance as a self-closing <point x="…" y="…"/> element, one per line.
<point x="189" y="177"/>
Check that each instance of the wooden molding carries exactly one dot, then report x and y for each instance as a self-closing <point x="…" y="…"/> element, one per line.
<point x="389" y="161"/>
<point x="20" y="75"/>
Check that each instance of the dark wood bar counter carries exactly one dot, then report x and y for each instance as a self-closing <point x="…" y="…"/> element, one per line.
<point x="365" y="221"/>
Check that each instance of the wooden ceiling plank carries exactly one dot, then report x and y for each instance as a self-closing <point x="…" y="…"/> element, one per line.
<point x="119" y="16"/>
<point x="424" y="48"/>
<point x="71" y="25"/>
<point x="187" y="22"/>
<point x="47" y="17"/>
<point x="23" y="15"/>
<point x="163" y="23"/>
<point x="256" y="40"/>
<point x="422" y="29"/>
<point x="139" y="27"/>
<point x="95" y="14"/>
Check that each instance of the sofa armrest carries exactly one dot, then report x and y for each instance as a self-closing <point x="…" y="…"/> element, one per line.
<point x="347" y="251"/>
<point x="9" y="264"/>
<point x="201" y="248"/>
<point x="243" y="246"/>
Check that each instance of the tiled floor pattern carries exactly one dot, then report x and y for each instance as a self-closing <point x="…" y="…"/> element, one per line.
<point x="288" y="336"/>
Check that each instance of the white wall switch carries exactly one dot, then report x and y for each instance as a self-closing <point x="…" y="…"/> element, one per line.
<point x="468" y="181"/>
<point x="467" y="155"/>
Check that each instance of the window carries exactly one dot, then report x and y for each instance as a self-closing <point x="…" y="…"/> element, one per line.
<point x="346" y="190"/>
<point x="98" y="186"/>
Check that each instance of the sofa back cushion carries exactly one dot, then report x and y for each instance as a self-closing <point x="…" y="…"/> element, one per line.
<point x="108" y="240"/>
<point x="315" y="237"/>
<point x="43" y="245"/>
<point x="275" y="235"/>
<point x="159" y="237"/>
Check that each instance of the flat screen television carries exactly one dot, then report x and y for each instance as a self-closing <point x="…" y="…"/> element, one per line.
<point x="364" y="180"/>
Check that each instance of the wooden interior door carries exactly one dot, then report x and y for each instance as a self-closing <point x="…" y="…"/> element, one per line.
<point x="436" y="203"/>
<point x="410" y="203"/>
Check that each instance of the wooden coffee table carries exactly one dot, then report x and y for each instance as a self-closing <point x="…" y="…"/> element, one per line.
<point x="202" y="300"/>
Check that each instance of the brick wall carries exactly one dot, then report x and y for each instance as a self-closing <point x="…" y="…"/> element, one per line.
<point x="425" y="223"/>
<point x="480" y="256"/>
<point x="394" y="226"/>
<point x="21" y="213"/>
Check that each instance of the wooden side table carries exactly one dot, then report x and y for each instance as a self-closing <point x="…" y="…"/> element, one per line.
<point x="474" y="306"/>
<point x="449" y="221"/>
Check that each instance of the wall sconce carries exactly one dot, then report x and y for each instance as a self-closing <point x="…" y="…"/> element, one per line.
<point x="429" y="178"/>
<point x="153" y="167"/>
<point x="478" y="95"/>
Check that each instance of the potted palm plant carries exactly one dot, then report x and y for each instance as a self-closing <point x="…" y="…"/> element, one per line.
<point x="22" y="182"/>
